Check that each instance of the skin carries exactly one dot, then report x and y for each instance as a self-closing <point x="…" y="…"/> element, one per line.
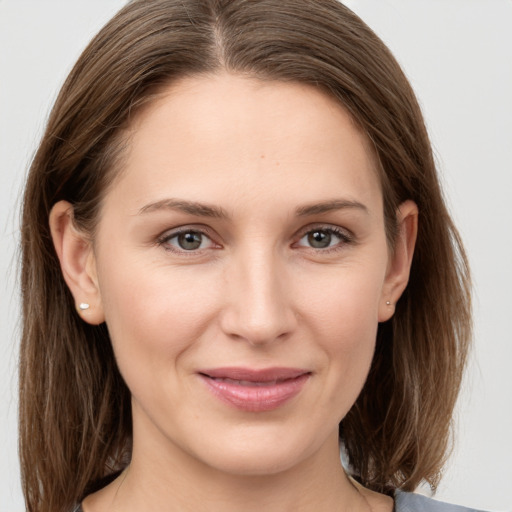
<point x="254" y="294"/>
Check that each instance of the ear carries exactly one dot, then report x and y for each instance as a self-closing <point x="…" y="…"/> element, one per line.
<point x="399" y="265"/>
<point x="75" y="252"/>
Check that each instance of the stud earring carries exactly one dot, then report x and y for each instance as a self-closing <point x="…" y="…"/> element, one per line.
<point x="83" y="306"/>
<point x="388" y="303"/>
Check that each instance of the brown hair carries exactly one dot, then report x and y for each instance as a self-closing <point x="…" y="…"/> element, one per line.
<point x="75" y="424"/>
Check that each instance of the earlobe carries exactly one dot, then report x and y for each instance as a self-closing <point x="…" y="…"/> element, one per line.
<point x="397" y="275"/>
<point x="77" y="261"/>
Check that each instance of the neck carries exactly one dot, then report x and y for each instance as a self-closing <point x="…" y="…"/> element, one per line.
<point x="171" y="483"/>
<point x="164" y="477"/>
<point x="315" y="484"/>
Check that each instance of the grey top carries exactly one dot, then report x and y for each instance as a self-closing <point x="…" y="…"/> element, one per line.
<point x="408" y="502"/>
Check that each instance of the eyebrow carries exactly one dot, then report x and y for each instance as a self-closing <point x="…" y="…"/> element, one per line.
<point x="190" y="207"/>
<point x="206" y="210"/>
<point x="328" y="206"/>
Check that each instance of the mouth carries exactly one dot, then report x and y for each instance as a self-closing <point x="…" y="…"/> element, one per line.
<point x="255" y="390"/>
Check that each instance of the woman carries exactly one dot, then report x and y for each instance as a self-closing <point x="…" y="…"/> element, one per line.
<point x="232" y="233"/>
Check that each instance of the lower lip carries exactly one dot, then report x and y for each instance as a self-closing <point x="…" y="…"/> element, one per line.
<point x="256" y="398"/>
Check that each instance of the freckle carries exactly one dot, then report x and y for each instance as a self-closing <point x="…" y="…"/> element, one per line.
<point x="262" y="156"/>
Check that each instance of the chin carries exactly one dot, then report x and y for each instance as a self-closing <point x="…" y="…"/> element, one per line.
<point x="262" y="453"/>
<point x="256" y="463"/>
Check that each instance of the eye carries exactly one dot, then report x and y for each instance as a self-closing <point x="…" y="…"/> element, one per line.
<point x="323" y="238"/>
<point x="187" y="240"/>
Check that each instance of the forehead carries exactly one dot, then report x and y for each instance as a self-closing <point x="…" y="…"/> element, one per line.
<point x="230" y="134"/>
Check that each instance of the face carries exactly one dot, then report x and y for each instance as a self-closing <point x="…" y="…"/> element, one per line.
<point x="242" y="267"/>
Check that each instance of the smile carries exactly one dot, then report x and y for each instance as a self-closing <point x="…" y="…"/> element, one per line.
<point x="255" y="390"/>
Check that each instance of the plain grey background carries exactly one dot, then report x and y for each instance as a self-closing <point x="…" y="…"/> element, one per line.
<point x="458" y="56"/>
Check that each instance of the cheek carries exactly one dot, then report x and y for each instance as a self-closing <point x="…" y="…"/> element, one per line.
<point x="153" y="314"/>
<point x="349" y="342"/>
<point x="343" y="313"/>
<point x="345" y="301"/>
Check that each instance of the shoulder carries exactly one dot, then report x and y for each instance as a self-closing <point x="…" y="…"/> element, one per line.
<point x="409" y="502"/>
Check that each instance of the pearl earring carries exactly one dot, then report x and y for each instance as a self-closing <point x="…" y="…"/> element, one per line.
<point x="83" y="306"/>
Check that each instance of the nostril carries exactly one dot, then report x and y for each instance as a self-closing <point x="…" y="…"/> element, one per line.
<point x="256" y="332"/>
<point x="258" y="305"/>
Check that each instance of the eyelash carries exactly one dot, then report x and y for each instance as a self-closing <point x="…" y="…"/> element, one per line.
<point x="344" y="237"/>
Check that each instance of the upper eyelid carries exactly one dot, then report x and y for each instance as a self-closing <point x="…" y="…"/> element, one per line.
<point x="200" y="228"/>
<point x="325" y="227"/>
<point x="172" y="232"/>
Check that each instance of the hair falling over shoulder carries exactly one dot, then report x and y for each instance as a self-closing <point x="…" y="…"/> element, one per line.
<point x="75" y="415"/>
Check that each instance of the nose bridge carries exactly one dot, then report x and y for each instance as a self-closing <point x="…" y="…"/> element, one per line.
<point x="259" y="305"/>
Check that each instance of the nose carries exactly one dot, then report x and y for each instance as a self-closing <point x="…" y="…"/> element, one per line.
<point x="258" y="302"/>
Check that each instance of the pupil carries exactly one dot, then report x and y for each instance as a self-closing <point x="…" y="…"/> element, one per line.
<point x="189" y="241"/>
<point x="319" y="239"/>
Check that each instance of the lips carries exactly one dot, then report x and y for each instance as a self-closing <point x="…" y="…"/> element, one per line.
<point x="255" y="390"/>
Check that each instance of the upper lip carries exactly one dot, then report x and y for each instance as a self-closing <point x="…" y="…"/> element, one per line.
<point x="254" y="375"/>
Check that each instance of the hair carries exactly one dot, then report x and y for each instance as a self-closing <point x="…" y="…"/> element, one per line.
<point x="75" y="414"/>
